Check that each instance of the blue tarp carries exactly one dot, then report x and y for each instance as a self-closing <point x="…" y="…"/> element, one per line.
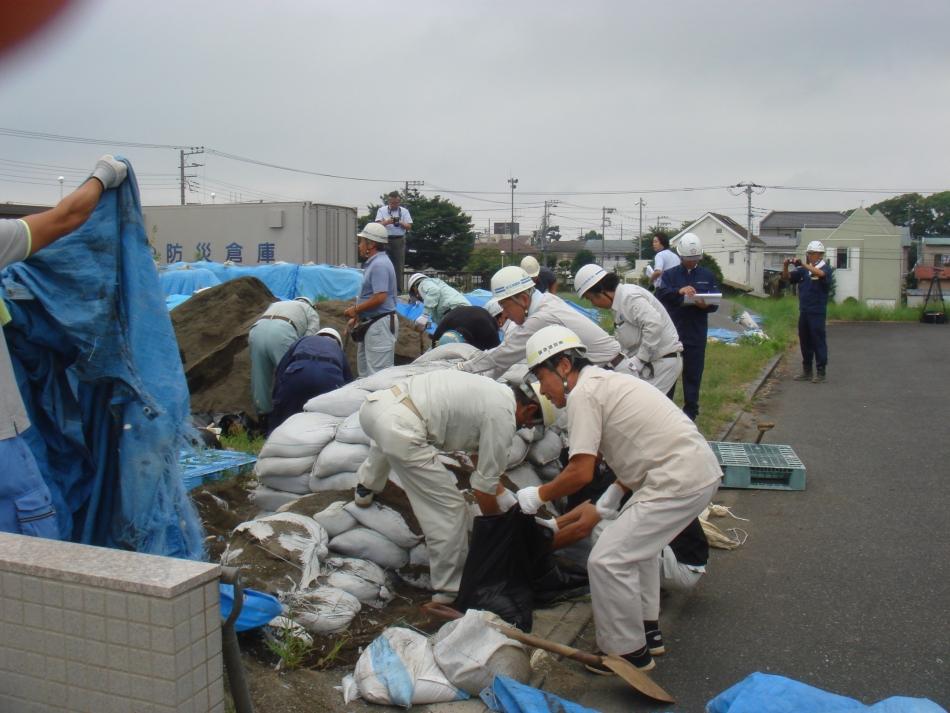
<point x="507" y="696"/>
<point x="258" y="608"/>
<point x="478" y="298"/>
<point x="97" y="364"/>
<point x="765" y="693"/>
<point x="289" y="281"/>
<point x="590" y="312"/>
<point x="172" y="301"/>
<point x="187" y="282"/>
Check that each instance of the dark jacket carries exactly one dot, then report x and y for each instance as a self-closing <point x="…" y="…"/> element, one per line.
<point x="475" y="324"/>
<point x="312" y="366"/>
<point x="813" y="290"/>
<point x="690" y="321"/>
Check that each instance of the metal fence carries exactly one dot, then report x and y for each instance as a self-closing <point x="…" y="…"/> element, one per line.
<point x="462" y="281"/>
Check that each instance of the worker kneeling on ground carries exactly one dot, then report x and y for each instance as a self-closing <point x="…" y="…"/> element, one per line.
<point x="643" y="326"/>
<point x="437" y="298"/>
<point x="312" y="366"/>
<point x="656" y="452"/>
<point x="445" y="411"/>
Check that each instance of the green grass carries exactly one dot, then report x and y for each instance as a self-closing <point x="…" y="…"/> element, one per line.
<point x="240" y="440"/>
<point x="786" y="308"/>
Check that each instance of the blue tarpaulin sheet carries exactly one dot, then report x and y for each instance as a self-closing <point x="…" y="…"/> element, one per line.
<point x="172" y="301"/>
<point x="507" y="696"/>
<point x="765" y="693"/>
<point x="256" y="610"/>
<point x="590" y="312"/>
<point x="289" y="281"/>
<point x="209" y="464"/>
<point x="187" y="282"/>
<point x="478" y="298"/>
<point x="97" y="364"/>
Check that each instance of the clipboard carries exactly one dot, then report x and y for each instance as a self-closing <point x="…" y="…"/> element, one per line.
<point x="713" y="298"/>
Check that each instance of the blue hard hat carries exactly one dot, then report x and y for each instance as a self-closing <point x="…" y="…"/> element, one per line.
<point x="451" y="337"/>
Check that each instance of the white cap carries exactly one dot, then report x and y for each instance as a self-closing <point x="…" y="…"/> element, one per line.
<point x="375" y="232"/>
<point x="815" y="247"/>
<point x="549" y="412"/>
<point x="510" y="281"/>
<point x="331" y="332"/>
<point x="416" y="278"/>
<point x="587" y="277"/>
<point x="494" y="309"/>
<point x="531" y="266"/>
<point x="549" y="341"/>
<point x="690" y="247"/>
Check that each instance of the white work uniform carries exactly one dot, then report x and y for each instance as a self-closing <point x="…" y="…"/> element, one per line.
<point x="451" y="411"/>
<point x="438" y="298"/>
<point x="282" y="324"/>
<point x="546" y="309"/>
<point x="676" y="576"/>
<point x="645" y="330"/>
<point x="664" y="260"/>
<point x="656" y="452"/>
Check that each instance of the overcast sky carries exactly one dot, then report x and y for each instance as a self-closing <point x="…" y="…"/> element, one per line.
<point x="568" y="97"/>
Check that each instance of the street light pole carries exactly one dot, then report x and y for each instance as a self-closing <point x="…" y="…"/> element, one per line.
<point x="513" y="182"/>
<point x="640" y="239"/>
<point x="603" y="232"/>
<point x="61" y="179"/>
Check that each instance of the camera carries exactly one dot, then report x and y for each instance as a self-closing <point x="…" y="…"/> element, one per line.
<point x="797" y="262"/>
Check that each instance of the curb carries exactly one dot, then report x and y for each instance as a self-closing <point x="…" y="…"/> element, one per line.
<point x="565" y="631"/>
<point x="751" y="392"/>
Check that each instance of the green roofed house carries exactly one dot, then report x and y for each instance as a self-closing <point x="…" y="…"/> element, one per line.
<point x="866" y="252"/>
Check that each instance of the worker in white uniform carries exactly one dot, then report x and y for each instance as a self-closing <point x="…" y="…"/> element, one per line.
<point x="505" y="325"/>
<point x="656" y="452"/>
<point x="531" y="310"/>
<point x="445" y="411"/>
<point x="437" y="298"/>
<point x="282" y="324"/>
<point x="646" y="333"/>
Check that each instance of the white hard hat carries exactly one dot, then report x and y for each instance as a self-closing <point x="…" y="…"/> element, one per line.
<point x="549" y="341"/>
<point x="494" y="309"/>
<point x="587" y="277"/>
<point x="510" y="281"/>
<point x="375" y="232"/>
<point x="531" y="266"/>
<point x="690" y="247"/>
<point x="304" y="299"/>
<point x="414" y="280"/>
<point x="549" y="412"/>
<point x="331" y="332"/>
<point x="815" y="246"/>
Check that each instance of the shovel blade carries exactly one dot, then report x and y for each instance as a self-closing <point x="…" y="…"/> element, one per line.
<point x="637" y="678"/>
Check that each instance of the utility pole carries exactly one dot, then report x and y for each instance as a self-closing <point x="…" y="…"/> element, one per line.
<point x="184" y="182"/>
<point x="544" y="229"/>
<point x="603" y="231"/>
<point x="748" y="189"/>
<point x="513" y="182"/>
<point x="640" y="238"/>
<point x="413" y="184"/>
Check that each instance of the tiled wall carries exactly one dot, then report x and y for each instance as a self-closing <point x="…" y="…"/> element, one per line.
<point x="83" y="641"/>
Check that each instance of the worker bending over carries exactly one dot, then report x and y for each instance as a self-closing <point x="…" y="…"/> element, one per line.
<point x="282" y="324"/>
<point x="312" y="366"/>
<point x="473" y="324"/>
<point x="504" y="324"/>
<point x="814" y="279"/>
<point x="444" y="411"/>
<point x="655" y="451"/>
<point x="531" y="311"/>
<point x="372" y="320"/>
<point x="642" y="325"/>
<point x="437" y="298"/>
<point x="544" y="278"/>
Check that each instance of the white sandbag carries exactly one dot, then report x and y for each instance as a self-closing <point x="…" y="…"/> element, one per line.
<point x="419" y="555"/>
<point x="471" y="653"/>
<point x="364" y="543"/>
<point x="530" y="435"/>
<point x="418" y="577"/>
<point x="388" y="378"/>
<point x="299" y="484"/>
<point x="269" y="499"/>
<point x="340" y="481"/>
<point x="350" y="431"/>
<point x="303" y="434"/>
<point x="524" y="477"/>
<point x="323" y="610"/>
<point x="342" y="402"/>
<point x="517" y="452"/>
<point x="547" y="449"/>
<point x="407" y="675"/>
<point x="361" y="578"/>
<point x="340" y="457"/>
<point x="549" y="472"/>
<point x="334" y="519"/>
<point x="301" y="537"/>
<point x="386" y="522"/>
<point x="454" y="352"/>
<point x="284" y="467"/>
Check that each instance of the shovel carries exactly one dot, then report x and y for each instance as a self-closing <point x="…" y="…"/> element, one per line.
<point x="627" y="671"/>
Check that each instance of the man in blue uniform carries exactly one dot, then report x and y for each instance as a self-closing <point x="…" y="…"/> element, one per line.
<point x="312" y="366"/>
<point x="814" y="279"/>
<point x="688" y="279"/>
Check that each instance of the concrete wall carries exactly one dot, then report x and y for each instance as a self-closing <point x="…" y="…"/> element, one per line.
<point x="92" y="629"/>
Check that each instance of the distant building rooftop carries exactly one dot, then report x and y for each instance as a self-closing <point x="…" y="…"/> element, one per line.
<point x="801" y="219"/>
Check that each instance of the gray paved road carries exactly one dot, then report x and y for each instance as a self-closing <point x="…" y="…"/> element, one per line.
<point x="845" y="586"/>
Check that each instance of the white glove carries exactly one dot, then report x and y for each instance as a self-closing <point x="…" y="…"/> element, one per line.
<point x="636" y="364"/>
<point x="608" y="507"/>
<point x="506" y="500"/>
<point x="110" y="172"/>
<point x="422" y="321"/>
<point x="457" y="366"/>
<point x="530" y="500"/>
<point x="550" y="524"/>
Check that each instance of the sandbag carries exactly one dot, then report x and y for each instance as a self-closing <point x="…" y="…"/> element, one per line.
<point x="340" y="481"/>
<point x="350" y="431"/>
<point x="342" y="402"/>
<point x="388" y="378"/>
<point x="361" y="578"/>
<point x="399" y="669"/>
<point x="335" y="520"/>
<point x="454" y="352"/>
<point x="471" y="653"/>
<point x="517" y="452"/>
<point x="269" y="499"/>
<point x="419" y="555"/>
<point x="290" y="536"/>
<point x="340" y="457"/>
<point x="549" y="472"/>
<point x="323" y="610"/>
<point x="299" y="484"/>
<point x="417" y="576"/>
<point x="284" y="467"/>
<point x="524" y="477"/>
<point x="515" y="375"/>
<point x="303" y="434"/>
<point x="367" y="544"/>
<point x="386" y="522"/>
<point x="545" y="450"/>
<point x="530" y="435"/>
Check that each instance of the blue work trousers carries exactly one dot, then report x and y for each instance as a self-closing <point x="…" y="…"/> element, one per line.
<point x="811" y="335"/>
<point x="694" y="361"/>
<point x="26" y="507"/>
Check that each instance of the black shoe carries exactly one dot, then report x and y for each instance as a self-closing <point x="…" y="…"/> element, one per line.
<point x="640" y="658"/>
<point x="655" y="643"/>
<point x="820" y="376"/>
<point x="806" y="375"/>
<point x="364" y="496"/>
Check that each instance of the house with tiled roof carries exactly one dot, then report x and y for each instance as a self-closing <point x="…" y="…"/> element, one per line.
<point x="781" y="231"/>
<point x="726" y="241"/>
